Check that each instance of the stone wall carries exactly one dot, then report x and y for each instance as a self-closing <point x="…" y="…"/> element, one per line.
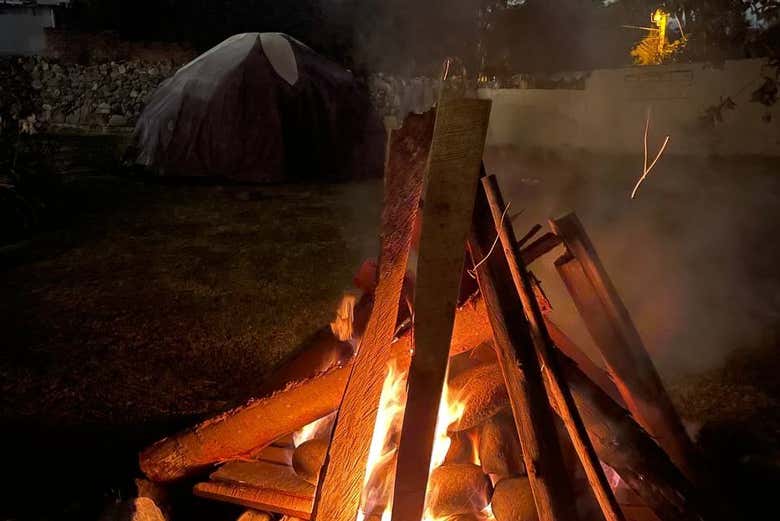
<point x="43" y="95"/>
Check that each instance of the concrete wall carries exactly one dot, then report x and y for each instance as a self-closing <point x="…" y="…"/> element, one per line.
<point x="22" y="29"/>
<point x="609" y="114"/>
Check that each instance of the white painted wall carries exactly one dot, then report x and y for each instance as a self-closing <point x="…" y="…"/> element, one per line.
<point x="609" y="114"/>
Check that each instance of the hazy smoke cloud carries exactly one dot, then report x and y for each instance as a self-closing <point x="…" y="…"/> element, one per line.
<point x="694" y="256"/>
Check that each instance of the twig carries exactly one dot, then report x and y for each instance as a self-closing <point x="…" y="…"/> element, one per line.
<point x="645" y="169"/>
<point x="473" y="271"/>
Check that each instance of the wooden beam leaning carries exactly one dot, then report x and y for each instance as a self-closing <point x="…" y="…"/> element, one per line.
<point x="614" y="333"/>
<point x="451" y="184"/>
<point x="557" y="389"/>
<point x="343" y="474"/>
<point x="549" y="479"/>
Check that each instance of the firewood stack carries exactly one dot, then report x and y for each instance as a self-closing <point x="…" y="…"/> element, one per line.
<point x="540" y="421"/>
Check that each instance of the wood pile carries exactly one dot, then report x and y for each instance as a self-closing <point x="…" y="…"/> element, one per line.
<point x="545" y="433"/>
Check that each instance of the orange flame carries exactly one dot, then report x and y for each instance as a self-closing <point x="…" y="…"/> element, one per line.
<point x="384" y="445"/>
<point x="380" y="468"/>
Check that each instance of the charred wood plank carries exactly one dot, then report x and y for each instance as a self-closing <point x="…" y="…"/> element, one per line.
<point x="614" y="333"/>
<point x="557" y="389"/>
<point x="541" y="246"/>
<point x="451" y="184"/>
<point x="342" y="476"/>
<point x="550" y="483"/>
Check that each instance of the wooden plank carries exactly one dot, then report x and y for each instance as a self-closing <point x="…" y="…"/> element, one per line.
<point x="614" y="333"/>
<point x="451" y="183"/>
<point x="276" y="455"/>
<point x="259" y="485"/>
<point x="557" y="389"/>
<point x="544" y="244"/>
<point x="549" y="479"/>
<point x="622" y="444"/>
<point x="252" y="497"/>
<point x="341" y="481"/>
<point x="595" y="373"/>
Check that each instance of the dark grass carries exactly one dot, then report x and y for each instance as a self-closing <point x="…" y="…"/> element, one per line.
<point x="148" y="306"/>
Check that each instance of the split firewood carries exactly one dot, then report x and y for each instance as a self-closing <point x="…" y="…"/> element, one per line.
<point x="244" y="430"/>
<point x="255" y="515"/>
<point x="273" y="454"/>
<point x="308" y="459"/>
<point x="482" y="392"/>
<point x="513" y="500"/>
<point x="499" y="447"/>
<point x="458" y="489"/>
<point x="138" y="509"/>
<point x="464" y="446"/>
<point x="260" y="486"/>
<point x="239" y="432"/>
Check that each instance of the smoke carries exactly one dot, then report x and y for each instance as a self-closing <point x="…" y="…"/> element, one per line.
<point x="693" y="256"/>
<point x="408" y="37"/>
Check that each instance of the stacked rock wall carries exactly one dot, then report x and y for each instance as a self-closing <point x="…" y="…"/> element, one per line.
<point x="38" y="94"/>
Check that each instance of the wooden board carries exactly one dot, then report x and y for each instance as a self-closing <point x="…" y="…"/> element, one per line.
<point x="342" y="477"/>
<point x="549" y="479"/>
<point x="275" y="455"/>
<point x="259" y="485"/>
<point x="557" y="390"/>
<point x="453" y="172"/>
<point x="614" y="333"/>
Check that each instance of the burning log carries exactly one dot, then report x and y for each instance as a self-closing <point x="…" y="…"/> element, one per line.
<point x="245" y="430"/>
<point x="623" y="445"/>
<point x="138" y="509"/>
<point x="557" y="389"/>
<point x="608" y="321"/>
<point x="499" y="447"/>
<point x="463" y="446"/>
<point x="308" y="459"/>
<point x="457" y="489"/>
<point x="341" y="483"/>
<point x="273" y="454"/>
<point x="513" y="500"/>
<point x="549" y="479"/>
<point x="260" y="486"/>
<point x="483" y="393"/>
<point x="255" y="515"/>
<point x="242" y="430"/>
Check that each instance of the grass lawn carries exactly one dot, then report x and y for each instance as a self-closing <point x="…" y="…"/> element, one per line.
<point x="153" y="305"/>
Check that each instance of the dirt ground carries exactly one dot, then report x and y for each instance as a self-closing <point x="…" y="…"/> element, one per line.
<point x="148" y="306"/>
